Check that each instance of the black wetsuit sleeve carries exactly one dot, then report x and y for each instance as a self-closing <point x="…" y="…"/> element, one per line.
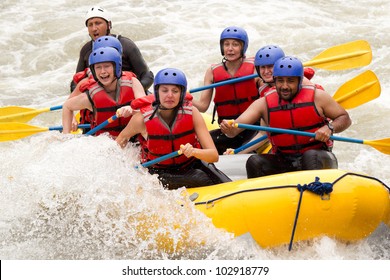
<point x="84" y="57"/>
<point x="83" y="61"/>
<point x="133" y="60"/>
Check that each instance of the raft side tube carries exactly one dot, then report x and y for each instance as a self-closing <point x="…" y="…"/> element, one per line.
<point x="266" y="207"/>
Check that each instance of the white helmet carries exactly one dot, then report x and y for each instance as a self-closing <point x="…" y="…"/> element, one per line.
<point x="97" y="12"/>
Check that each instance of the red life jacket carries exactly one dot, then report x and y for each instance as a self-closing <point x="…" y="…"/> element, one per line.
<point x="143" y="103"/>
<point x="233" y="99"/>
<point x="163" y="139"/>
<point x="82" y="74"/>
<point x="266" y="89"/>
<point x="298" y="114"/>
<point x="86" y="116"/>
<point x="105" y="107"/>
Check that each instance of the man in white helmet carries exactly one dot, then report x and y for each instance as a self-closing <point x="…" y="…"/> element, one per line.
<point x="99" y="24"/>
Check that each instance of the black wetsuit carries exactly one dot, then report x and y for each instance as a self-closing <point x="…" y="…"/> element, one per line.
<point x="197" y="174"/>
<point x="269" y="164"/>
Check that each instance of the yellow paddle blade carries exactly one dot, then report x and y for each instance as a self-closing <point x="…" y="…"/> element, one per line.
<point x="13" y="131"/>
<point x="382" y="145"/>
<point x="359" y="90"/>
<point x="208" y="118"/>
<point x="346" y="56"/>
<point x="19" y="114"/>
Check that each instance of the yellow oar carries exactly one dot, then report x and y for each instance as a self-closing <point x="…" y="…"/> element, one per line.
<point x="22" y="114"/>
<point x="13" y="131"/>
<point x="341" y="57"/>
<point x="359" y="90"/>
<point x="346" y="56"/>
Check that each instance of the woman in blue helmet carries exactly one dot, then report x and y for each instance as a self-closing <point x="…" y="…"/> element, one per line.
<point x="298" y="107"/>
<point x="265" y="59"/>
<point x="231" y="100"/>
<point x="101" y="42"/>
<point x="110" y="91"/>
<point x="168" y="122"/>
<point x="82" y="77"/>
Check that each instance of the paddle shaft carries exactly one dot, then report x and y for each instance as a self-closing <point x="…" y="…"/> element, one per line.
<point x="249" y="144"/>
<point x="160" y="159"/>
<point x="295" y="132"/>
<point x="102" y="125"/>
<point x="226" y="82"/>
<point x="82" y="126"/>
<point x="55" y="108"/>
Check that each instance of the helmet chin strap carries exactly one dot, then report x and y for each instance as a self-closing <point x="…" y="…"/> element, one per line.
<point x="161" y="107"/>
<point x="109" y="26"/>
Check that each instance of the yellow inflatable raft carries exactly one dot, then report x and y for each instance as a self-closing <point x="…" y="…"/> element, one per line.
<point x="282" y="208"/>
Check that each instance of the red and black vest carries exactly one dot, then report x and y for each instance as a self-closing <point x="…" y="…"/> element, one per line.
<point x="105" y="107"/>
<point x="233" y="99"/>
<point x="164" y="139"/>
<point x="298" y="114"/>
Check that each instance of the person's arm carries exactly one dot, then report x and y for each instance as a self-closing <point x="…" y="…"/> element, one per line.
<point x="208" y="152"/>
<point x="329" y="108"/>
<point x="135" y="126"/>
<point x="73" y="104"/>
<point x="137" y="88"/>
<point x="205" y="98"/>
<point x="133" y="59"/>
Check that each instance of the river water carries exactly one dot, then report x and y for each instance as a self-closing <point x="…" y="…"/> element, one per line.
<point x="65" y="197"/>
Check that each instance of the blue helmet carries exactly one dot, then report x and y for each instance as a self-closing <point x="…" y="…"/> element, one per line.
<point x="170" y="76"/>
<point x="268" y="55"/>
<point x="289" y="66"/>
<point x="234" y="32"/>
<point x="106" y="54"/>
<point x="108" y="41"/>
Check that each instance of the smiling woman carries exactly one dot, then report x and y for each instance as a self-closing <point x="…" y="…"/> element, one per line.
<point x="230" y="100"/>
<point x="108" y="91"/>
